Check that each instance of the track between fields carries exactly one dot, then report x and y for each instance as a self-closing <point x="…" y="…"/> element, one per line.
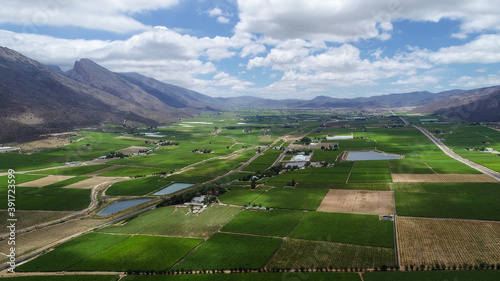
<point x="453" y="155"/>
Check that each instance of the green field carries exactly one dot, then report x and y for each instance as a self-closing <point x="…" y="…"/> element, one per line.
<point x="132" y="172"/>
<point x="177" y="223"/>
<point x="66" y="182"/>
<point x="483" y="275"/>
<point x="72" y="252"/>
<point x="72" y="171"/>
<point x="409" y="165"/>
<point x="446" y="205"/>
<point x="136" y="224"/>
<point x="231" y="251"/>
<point x="287" y="198"/>
<point x="50" y="199"/>
<point x="443" y="164"/>
<point x="140" y="253"/>
<point x="299" y="253"/>
<point x="274" y="222"/>
<point x="365" y="230"/>
<point x="317" y="276"/>
<point x="240" y="196"/>
<point x="19" y="178"/>
<point x="136" y="187"/>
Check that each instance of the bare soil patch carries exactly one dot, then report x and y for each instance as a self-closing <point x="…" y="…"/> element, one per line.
<point x="358" y="202"/>
<point x="44" y="181"/>
<point x="133" y="149"/>
<point x="416" y="178"/>
<point x="290" y="138"/>
<point x="442" y="178"/>
<point x="466" y="178"/>
<point x="449" y="242"/>
<point x="47" y="236"/>
<point x="90" y="183"/>
<point x="30" y="218"/>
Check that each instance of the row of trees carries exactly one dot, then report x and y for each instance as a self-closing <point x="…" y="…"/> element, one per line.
<point x="210" y="190"/>
<point x="307" y="269"/>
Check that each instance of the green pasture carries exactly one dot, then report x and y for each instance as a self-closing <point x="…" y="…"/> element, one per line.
<point x="240" y="196"/>
<point x="299" y="253"/>
<point x="355" y="229"/>
<point x="288" y="198"/>
<point x="72" y="171"/>
<point x="273" y="222"/>
<point x="72" y="252"/>
<point x="448" y="205"/>
<point x="139" y="252"/>
<point x="137" y="187"/>
<point x="134" y="225"/>
<point x="228" y="251"/>
<point x="181" y="224"/>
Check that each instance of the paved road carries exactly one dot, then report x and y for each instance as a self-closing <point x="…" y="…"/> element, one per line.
<point x="455" y="156"/>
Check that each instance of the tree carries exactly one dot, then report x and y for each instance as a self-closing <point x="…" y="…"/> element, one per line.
<point x="253" y="184"/>
<point x="293" y="182"/>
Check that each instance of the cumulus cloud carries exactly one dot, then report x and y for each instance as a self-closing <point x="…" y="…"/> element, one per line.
<point x="477" y="82"/>
<point x="344" y="21"/>
<point x="483" y="49"/>
<point x="222" y="17"/>
<point x="114" y="16"/>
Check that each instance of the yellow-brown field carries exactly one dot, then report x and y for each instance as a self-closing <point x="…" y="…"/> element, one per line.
<point x="449" y="242"/>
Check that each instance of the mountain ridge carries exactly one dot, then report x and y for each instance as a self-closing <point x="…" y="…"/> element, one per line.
<point x="39" y="99"/>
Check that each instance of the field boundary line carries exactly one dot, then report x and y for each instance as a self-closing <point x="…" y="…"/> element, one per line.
<point x="348" y="176"/>
<point x="452" y="219"/>
<point x="205" y="240"/>
<point x="396" y="249"/>
<point x="284" y="240"/>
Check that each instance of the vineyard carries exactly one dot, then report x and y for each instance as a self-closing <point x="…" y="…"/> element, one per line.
<point x="299" y="253"/>
<point x="447" y="242"/>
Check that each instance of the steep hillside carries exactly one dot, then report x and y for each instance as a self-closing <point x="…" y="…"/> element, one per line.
<point x="474" y="105"/>
<point x="36" y="99"/>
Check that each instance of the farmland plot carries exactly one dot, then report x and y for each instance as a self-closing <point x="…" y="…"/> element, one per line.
<point x="357" y="202"/>
<point x="227" y="251"/>
<point x="274" y="222"/>
<point x="483" y="275"/>
<point x="449" y="242"/>
<point x="298" y="253"/>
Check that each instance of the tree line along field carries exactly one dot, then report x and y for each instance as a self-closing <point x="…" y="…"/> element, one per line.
<point x="294" y="233"/>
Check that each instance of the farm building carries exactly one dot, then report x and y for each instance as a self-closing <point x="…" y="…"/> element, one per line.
<point x="301" y="158"/>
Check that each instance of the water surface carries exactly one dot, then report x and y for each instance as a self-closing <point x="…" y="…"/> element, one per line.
<point x="173" y="188"/>
<point x="369" y="155"/>
<point x="120" y="206"/>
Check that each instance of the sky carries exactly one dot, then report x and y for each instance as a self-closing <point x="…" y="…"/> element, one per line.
<point x="276" y="49"/>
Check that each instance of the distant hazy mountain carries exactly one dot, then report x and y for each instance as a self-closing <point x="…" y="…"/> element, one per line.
<point x="474" y="105"/>
<point x="38" y="99"/>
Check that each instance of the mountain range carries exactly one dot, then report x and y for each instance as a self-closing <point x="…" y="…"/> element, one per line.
<point x="37" y="99"/>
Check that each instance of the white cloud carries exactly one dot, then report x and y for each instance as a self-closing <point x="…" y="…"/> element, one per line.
<point x="483" y="49"/>
<point x="476" y="82"/>
<point x="345" y="21"/>
<point x="159" y="52"/>
<point x="214" y="12"/>
<point x="417" y="80"/>
<point x="222" y="19"/>
<point x="114" y="16"/>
